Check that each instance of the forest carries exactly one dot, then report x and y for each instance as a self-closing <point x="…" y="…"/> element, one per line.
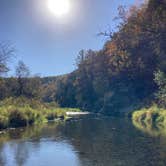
<point x="128" y="73"/>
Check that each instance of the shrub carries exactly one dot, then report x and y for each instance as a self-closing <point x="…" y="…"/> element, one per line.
<point x="51" y="115"/>
<point x="17" y="118"/>
<point x="3" y="122"/>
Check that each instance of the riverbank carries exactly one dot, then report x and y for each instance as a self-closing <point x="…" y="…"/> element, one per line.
<point x="150" y="120"/>
<point x="21" y="112"/>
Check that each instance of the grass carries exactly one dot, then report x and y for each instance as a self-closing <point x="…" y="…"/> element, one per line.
<point x="21" y="112"/>
<point x="150" y="120"/>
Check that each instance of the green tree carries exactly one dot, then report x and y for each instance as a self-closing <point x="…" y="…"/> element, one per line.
<point x="26" y="85"/>
<point x="160" y="79"/>
<point x="22" y="74"/>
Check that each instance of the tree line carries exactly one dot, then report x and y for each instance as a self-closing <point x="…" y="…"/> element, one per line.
<point x="22" y="84"/>
<point x="129" y="71"/>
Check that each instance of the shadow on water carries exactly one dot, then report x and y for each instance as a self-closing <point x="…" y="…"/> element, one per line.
<point x="86" y="141"/>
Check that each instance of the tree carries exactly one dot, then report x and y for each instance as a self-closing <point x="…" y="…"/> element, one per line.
<point x="3" y="89"/>
<point x="160" y="79"/>
<point x="28" y="86"/>
<point x="22" y="74"/>
<point x="6" y="51"/>
<point x="22" y="71"/>
<point x="33" y="87"/>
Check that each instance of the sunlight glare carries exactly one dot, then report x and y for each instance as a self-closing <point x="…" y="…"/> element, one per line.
<point x="59" y="7"/>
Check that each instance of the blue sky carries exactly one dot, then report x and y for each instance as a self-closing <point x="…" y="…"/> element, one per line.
<point x="49" y="45"/>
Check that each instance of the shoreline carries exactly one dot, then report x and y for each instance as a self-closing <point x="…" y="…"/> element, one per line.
<point x="69" y="113"/>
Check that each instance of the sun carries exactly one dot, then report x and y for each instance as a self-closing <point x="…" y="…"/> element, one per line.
<point x="59" y="7"/>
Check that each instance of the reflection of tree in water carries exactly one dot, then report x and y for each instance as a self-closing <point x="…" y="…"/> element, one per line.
<point x="2" y="156"/>
<point x="112" y="142"/>
<point x="153" y="129"/>
<point x="21" y="153"/>
<point x="97" y="142"/>
<point x="16" y="145"/>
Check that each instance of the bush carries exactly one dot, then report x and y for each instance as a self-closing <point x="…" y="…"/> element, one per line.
<point x="51" y="115"/>
<point x="17" y="118"/>
<point x="3" y="122"/>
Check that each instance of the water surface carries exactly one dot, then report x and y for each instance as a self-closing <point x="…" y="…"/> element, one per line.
<point x="86" y="141"/>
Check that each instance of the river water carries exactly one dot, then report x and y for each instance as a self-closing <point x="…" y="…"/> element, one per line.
<point x="85" y="141"/>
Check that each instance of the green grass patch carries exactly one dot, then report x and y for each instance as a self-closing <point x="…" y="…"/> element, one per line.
<point x="21" y="112"/>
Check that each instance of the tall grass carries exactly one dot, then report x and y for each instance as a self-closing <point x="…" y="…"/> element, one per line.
<point x="19" y="112"/>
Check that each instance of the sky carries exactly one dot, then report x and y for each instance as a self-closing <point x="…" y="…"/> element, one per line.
<point x="49" y="45"/>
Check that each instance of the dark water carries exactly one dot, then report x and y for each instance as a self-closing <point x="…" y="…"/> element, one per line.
<point x="89" y="141"/>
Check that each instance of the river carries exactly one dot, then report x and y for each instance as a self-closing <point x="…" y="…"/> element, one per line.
<point x="85" y="141"/>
